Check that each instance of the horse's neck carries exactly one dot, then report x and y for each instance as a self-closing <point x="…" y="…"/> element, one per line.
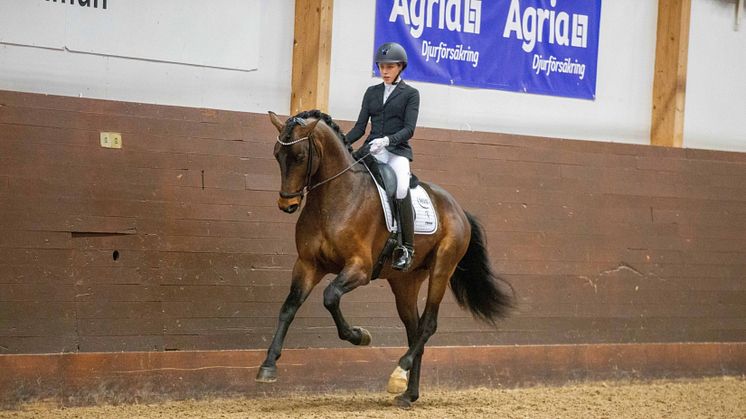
<point x="336" y="161"/>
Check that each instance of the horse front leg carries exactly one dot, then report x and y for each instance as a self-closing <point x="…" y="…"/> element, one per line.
<point x="351" y="277"/>
<point x="305" y="277"/>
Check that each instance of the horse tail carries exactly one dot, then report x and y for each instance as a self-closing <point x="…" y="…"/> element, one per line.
<point x="474" y="284"/>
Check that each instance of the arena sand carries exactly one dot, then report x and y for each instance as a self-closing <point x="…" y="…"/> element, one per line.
<point x="722" y="397"/>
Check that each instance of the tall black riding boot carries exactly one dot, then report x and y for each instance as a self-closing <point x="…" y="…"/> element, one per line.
<point x="405" y="252"/>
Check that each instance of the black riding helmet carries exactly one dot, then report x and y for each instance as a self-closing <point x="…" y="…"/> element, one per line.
<point x="391" y="52"/>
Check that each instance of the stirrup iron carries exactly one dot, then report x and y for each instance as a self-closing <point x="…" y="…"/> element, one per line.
<point x="403" y="256"/>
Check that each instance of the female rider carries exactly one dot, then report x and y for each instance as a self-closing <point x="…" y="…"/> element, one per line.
<point x="392" y="107"/>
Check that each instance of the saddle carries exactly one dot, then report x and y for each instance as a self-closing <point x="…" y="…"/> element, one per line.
<point x="385" y="177"/>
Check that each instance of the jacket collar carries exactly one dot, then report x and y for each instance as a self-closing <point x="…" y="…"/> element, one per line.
<point x="399" y="87"/>
<point x="396" y="82"/>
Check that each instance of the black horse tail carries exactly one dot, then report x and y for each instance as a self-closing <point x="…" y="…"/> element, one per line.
<point x="474" y="284"/>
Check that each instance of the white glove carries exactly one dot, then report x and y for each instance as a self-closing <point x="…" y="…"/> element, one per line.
<point x="378" y="145"/>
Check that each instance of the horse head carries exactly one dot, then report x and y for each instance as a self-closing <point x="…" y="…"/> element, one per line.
<point x="294" y="151"/>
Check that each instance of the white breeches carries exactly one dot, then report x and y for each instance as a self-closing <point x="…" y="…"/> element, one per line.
<point x="401" y="168"/>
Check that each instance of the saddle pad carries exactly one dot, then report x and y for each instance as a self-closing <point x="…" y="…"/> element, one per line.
<point x="425" y="220"/>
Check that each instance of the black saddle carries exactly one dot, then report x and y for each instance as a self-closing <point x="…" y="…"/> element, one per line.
<point x="386" y="177"/>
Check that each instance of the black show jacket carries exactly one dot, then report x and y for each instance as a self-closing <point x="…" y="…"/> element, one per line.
<point x="396" y="118"/>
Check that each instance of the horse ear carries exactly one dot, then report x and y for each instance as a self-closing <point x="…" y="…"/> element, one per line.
<point x="276" y="121"/>
<point x="305" y="130"/>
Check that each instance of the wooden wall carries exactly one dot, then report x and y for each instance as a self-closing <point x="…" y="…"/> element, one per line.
<point x="603" y="242"/>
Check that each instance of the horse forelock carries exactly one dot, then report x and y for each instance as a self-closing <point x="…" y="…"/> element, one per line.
<point x="290" y="124"/>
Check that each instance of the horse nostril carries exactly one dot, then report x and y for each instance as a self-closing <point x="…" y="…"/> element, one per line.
<point x="291" y="209"/>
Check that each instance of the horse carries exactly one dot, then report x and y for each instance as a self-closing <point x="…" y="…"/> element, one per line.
<point x="341" y="231"/>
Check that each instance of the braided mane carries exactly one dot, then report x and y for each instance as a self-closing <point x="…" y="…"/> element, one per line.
<point x="315" y="113"/>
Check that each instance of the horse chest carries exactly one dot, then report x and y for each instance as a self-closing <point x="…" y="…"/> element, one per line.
<point x="324" y="253"/>
<point x="316" y="243"/>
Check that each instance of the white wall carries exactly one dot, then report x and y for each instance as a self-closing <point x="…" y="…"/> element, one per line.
<point x="62" y="72"/>
<point x="621" y="111"/>
<point x="716" y="88"/>
<point x="715" y="112"/>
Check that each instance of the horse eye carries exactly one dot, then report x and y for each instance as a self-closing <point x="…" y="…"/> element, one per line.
<point x="300" y="156"/>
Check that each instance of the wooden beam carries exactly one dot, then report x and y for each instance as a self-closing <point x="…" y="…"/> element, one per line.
<point x="312" y="46"/>
<point x="669" y="84"/>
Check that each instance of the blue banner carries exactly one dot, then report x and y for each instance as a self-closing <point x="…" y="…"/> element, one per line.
<point x="546" y="47"/>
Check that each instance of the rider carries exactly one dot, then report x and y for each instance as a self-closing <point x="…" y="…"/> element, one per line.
<point x="392" y="107"/>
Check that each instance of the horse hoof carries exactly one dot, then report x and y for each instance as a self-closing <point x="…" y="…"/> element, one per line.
<point x="397" y="381"/>
<point x="266" y="375"/>
<point x="402" y="402"/>
<point x="365" y="337"/>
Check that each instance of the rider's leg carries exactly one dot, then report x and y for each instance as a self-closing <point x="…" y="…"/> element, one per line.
<point x="401" y="168"/>
<point x="403" y="255"/>
<point x="383" y="157"/>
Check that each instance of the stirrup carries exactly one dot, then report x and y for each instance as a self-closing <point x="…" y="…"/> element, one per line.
<point x="403" y="256"/>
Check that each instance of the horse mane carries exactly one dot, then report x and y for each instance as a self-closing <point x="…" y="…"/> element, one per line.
<point x="315" y="113"/>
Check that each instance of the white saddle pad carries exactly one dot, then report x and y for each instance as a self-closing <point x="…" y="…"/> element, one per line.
<point x="425" y="221"/>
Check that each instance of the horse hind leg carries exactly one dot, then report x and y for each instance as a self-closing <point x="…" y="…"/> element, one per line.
<point x="428" y="326"/>
<point x="441" y="270"/>
<point x="304" y="280"/>
<point x="350" y="278"/>
<point x="407" y="382"/>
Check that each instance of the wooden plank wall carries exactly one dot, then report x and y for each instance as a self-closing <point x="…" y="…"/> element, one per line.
<point x="147" y="377"/>
<point x="175" y="242"/>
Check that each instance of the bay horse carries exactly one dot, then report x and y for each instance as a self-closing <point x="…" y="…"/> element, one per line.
<point x="341" y="230"/>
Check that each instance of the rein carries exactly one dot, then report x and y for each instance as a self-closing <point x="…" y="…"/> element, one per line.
<point x="307" y="188"/>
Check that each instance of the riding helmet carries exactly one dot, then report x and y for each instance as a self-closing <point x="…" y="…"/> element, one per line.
<point x="391" y="52"/>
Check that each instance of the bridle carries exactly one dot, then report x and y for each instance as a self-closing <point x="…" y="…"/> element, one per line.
<point x="307" y="187"/>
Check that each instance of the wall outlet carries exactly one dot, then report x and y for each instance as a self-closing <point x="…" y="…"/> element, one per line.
<point x="111" y="140"/>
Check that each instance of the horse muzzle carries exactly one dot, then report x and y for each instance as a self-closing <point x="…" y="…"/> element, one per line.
<point x="289" y="205"/>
